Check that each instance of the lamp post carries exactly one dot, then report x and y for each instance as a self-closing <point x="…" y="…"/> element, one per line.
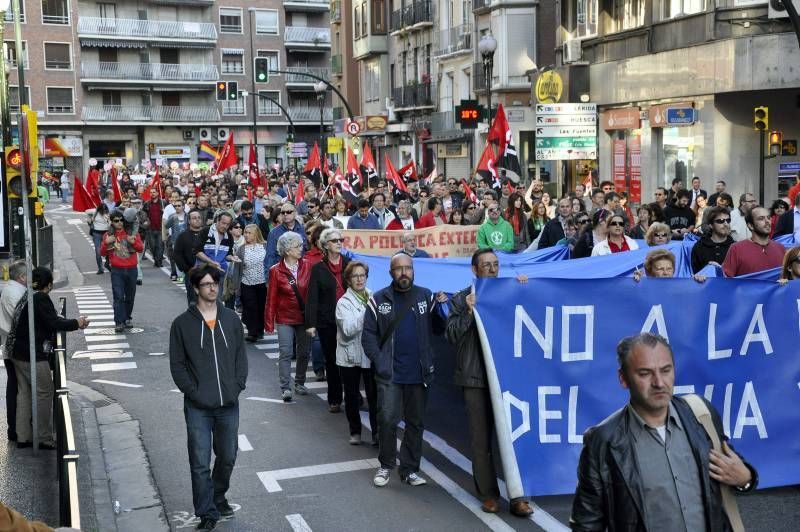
<point x="252" y="12"/>
<point x="320" y="87"/>
<point x="487" y="46"/>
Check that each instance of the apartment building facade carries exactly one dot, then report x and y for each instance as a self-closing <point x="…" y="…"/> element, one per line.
<point x="136" y="80"/>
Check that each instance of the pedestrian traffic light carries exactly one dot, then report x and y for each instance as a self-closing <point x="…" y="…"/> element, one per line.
<point x="14" y="163"/>
<point x="262" y="70"/>
<point x="222" y="91"/>
<point x="233" y="91"/>
<point x="761" y="118"/>
<point x="775" y="142"/>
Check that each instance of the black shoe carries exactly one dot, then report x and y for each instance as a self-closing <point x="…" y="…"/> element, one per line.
<point x="374" y="441"/>
<point x="100" y="272"/>
<point x="138" y="282"/>
<point x="12" y="436"/>
<point x="24" y="444"/>
<point x="173" y="277"/>
<point x="128" y="324"/>
<point x="249" y="338"/>
<point x="224" y="509"/>
<point x="47" y="447"/>
<point x="206" y="523"/>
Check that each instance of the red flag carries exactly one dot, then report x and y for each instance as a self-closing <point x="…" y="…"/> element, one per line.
<point x="354" y="177"/>
<point x="93" y="185"/>
<point x="468" y="191"/>
<point x="81" y="199"/>
<point x="253" y="165"/>
<point x="500" y="132"/>
<point x="313" y="162"/>
<point x="115" y="185"/>
<point x="510" y="187"/>
<point x="154" y="183"/>
<point x="392" y="176"/>
<point x="368" y="163"/>
<point x="227" y="157"/>
<point x="409" y="171"/>
<point x="428" y="180"/>
<point x="301" y="191"/>
<point x="486" y="166"/>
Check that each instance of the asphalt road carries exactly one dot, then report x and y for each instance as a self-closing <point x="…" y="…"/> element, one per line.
<point x="295" y="467"/>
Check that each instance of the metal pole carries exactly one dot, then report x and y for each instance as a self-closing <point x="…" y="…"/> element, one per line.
<point x="322" y="150"/>
<point x="761" y="140"/>
<point x="255" y="91"/>
<point x="26" y="217"/>
<point x="326" y="82"/>
<point x="5" y="114"/>
<point x="793" y="18"/>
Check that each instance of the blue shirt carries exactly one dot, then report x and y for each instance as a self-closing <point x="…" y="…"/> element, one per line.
<point x="357" y="222"/>
<point x="272" y="241"/>
<point x="407" y="368"/>
<point x="796" y="224"/>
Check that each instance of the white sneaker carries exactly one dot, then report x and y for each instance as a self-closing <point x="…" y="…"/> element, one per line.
<point x="287" y="396"/>
<point x="381" y="477"/>
<point x="415" y="480"/>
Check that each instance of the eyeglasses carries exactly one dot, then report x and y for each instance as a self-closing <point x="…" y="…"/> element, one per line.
<point x="116" y="220"/>
<point x="357" y="276"/>
<point x="721" y="221"/>
<point x="616" y="224"/>
<point x="584" y="221"/>
<point x="471" y="208"/>
<point x="335" y="240"/>
<point x="661" y="235"/>
<point x="247" y="213"/>
<point x="207" y="285"/>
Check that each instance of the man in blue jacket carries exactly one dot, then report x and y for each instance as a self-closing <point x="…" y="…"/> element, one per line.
<point x="398" y="327"/>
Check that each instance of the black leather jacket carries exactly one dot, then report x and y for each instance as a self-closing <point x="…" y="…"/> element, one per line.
<point x="609" y="494"/>
<point x="462" y="332"/>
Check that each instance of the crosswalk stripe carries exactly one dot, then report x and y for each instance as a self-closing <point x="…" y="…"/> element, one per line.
<point x="114" y="366"/>
<point x="104" y="337"/>
<point x="266" y="346"/>
<point x="115" y="383"/>
<point x="100" y="347"/>
<point x="273" y="356"/>
<point x="109" y="355"/>
<point x="103" y="323"/>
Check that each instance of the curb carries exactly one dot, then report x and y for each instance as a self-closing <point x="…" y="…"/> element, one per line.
<point x="65" y="269"/>
<point x="120" y="469"/>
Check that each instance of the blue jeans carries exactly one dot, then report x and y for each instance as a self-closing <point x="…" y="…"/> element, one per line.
<point x="396" y="402"/>
<point x="207" y="429"/>
<point x="123" y="287"/>
<point x="97" y="236"/>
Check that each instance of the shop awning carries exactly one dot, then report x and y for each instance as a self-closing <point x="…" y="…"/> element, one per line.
<point x="113" y="43"/>
<point x="449" y="135"/>
<point x="233" y="51"/>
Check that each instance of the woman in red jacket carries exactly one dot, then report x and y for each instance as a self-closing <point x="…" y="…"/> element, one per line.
<point x="288" y="286"/>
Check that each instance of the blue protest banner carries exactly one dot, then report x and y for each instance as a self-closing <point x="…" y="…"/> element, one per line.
<point x="550" y="350"/>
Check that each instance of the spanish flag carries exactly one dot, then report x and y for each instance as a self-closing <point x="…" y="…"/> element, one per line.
<point x="206" y="153"/>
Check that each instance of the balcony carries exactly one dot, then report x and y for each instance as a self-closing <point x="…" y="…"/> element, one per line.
<point x="296" y="81"/>
<point x="517" y="82"/>
<point x="160" y="33"/>
<point x="370" y="45"/>
<point x="454" y="41"/>
<point x="302" y="113"/>
<point x="412" y="17"/>
<point x="481" y="6"/>
<point x="336" y="11"/>
<point x="308" y="6"/>
<point x="202" y="3"/>
<point x="148" y="72"/>
<point x="147" y="113"/>
<point x="414" y="96"/>
<point x="307" y="39"/>
<point x="336" y="65"/>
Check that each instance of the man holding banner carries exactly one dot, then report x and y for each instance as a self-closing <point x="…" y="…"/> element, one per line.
<point x="651" y="465"/>
<point x="470" y="374"/>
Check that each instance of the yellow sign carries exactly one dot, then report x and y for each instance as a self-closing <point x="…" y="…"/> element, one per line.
<point x="335" y="145"/>
<point x="549" y="87"/>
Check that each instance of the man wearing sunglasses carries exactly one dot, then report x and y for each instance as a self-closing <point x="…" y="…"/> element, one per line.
<point x="289" y="224"/>
<point x="121" y="249"/>
<point x="713" y="246"/>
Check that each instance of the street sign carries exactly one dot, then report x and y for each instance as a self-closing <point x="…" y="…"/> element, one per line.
<point x="565" y="154"/>
<point x="352" y="127"/>
<point x="565" y="120"/>
<point x="566" y="142"/>
<point x="677" y="116"/>
<point x="566" y="108"/>
<point x="788" y="170"/>
<point x="566" y="131"/>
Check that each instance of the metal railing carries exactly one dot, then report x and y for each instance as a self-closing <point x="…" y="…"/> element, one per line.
<point x="66" y="448"/>
<point x="306" y="35"/>
<point x="150" y="71"/>
<point x="55" y="19"/>
<point x="414" y="95"/>
<point x="336" y="65"/>
<point x="454" y="40"/>
<point x="480" y="4"/>
<point x="293" y="74"/>
<point x="309" y="114"/>
<point x="443" y="121"/>
<point x="44" y="246"/>
<point x="10" y="15"/>
<point x="150" y="113"/>
<point x="336" y="11"/>
<point x="411" y="14"/>
<point x="146" y="29"/>
<point x="309" y="3"/>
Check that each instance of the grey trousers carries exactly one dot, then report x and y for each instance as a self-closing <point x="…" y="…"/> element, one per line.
<point x="44" y="402"/>
<point x="401" y="402"/>
<point x="292" y="339"/>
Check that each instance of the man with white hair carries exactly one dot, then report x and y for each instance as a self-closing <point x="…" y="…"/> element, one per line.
<point x="11" y="295"/>
<point x="410" y="247"/>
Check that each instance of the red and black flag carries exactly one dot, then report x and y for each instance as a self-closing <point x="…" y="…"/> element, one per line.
<point x="368" y="167"/>
<point x="313" y="167"/>
<point x="500" y="133"/>
<point x="486" y="167"/>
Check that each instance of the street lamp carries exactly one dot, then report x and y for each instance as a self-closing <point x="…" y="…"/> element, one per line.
<point x="320" y="87"/>
<point x="486" y="46"/>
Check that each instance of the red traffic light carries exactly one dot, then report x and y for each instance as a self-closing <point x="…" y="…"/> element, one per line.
<point x="14" y="159"/>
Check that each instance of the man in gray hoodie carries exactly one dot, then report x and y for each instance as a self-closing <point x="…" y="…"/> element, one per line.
<point x="208" y="362"/>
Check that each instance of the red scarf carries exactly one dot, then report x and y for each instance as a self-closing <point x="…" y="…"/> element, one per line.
<point x="336" y="271"/>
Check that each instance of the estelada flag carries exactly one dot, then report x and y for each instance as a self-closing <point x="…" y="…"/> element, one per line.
<point x="81" y="200"/>
<point x="227" y="157"/>
<point x="409" y="171"/>
<point x="486" y="166"/>
<point x="154" y="183"/>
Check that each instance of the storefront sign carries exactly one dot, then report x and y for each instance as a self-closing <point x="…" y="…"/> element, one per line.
<point x="439" y="241"/>
<point x="173" y="152"/>
<point x="671" y="114"/>
<point x="515" y="115"/>
<point x="618" y="171"/>
<point x="566" y="131"/>
<point x="375" y="123"/>
<point x="635" y="166"/>
<point x="335" y="145"/>
<point x="627" y="118"/>
<point x="788" y="170"/>
<point x="63" y="147"/>
<point x="789" y="147"/>
<point x="680" y="116"/>
<point x="549" y="87"/>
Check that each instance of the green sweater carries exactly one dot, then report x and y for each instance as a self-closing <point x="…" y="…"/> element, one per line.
<point x="496" y="236"/>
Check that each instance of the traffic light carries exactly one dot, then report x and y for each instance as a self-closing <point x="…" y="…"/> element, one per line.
<point x="233" y="91"/>
<point x="468" y="114"/>
<point x="761" y="118"/>
<point x="262" y="70"/>
<point x="222" y="91"/>
<point x="775" y="142"/>
<point x="14" y="162"/>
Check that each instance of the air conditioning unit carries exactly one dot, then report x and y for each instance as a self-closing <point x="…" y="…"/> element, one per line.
<point x="223" y="133"/>
<point x="205" y="133"/>
<point x="188" y="134"/>
<point x="571" y="51"/>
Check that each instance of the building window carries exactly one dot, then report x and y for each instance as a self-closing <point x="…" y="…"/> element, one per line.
<point x="266" y="107"/>
<point x="230" y="20"/>
<point x="364" y="20"/>
<point x="10" y="12"/>
<point x="10" y="49"/>
<point x="371" y="82"/>
<point x="273" y="58"/>
<point x="267" y="22"/>
<point x="234" y="107"/>
<point x="13" y="98"/>
<point x="357" y="24"/>
<point x="232" y="63"/>
<point x="55" y="12"/>
<point x="107" y="10"/>
<point x="679" y="8"/>
<point x="114" y="98"/>
<point x="586" y="14"/>
<point x="59" y="101"/>
<point x="57" y="56"/>
<point x="628" y="14"/>
<point x="379" y="17"/>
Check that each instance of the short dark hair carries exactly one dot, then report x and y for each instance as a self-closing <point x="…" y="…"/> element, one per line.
<point x="246" y="205"/>
<point x="381" y="194"/>
<point x="711" y="213"/>
<point x="743" y="198"/>
<point x="626" y="346"/>
<point x="312" y="201"/>
<point x="683" y="193"/>
<point x="41" y="277"/>
<point x="611" y="196"/>
<point x="748" y="218"/>
<point x="432" y="202"/>
<point x="596" y="191"/>
<point x="363" y="203"/>
<point x="606" y="183"/>
<point x="677" y="180"/>
<point x="197" y="273"/>
<point x="724" y="184"/>
<point x="727" y="197"/>
<point x="477" y="255"/>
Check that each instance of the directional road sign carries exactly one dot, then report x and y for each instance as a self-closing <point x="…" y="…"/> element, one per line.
<point x="566" y="131"/>
<point x="565" y="154"/>
<point x="566" y="142"/>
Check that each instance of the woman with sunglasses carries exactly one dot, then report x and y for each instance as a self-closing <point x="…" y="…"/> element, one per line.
<point x="325" y="286"/>
<point x="591" y="236"/>
<point x="616" y="241"/>
<point x="658" y="234"/>
<point x="790" y="271"/>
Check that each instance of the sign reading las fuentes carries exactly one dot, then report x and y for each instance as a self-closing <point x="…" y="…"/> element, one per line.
<point x="439" y="241"/>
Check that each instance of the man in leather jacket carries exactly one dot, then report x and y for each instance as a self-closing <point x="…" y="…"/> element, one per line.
<point x="470" y="374"/>
<point x="651" y="465"/>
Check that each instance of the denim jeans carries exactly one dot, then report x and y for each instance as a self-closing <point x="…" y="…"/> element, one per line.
<point x="191" y="295"/>
<point x="207" y="429"/>
<point x="123" y="287"/>
<point x="286" y="348"/>
<point x="396" y="402"/>
<point x="11" y="398"/>
<point x="97" y="237"/>
<point x="317" y="358"/>
<point x="156" y="246"/>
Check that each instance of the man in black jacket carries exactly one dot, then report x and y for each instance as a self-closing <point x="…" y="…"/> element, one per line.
<point x="680" y="487"/>
<point x="185" y="248"/>
<point x="785" y="224"/>
<point x="470" y="374"/>
<point x="208" y="362"/>
<point x="553" y="231"/>
<point x="398" y="325"/>
<point x="713" y="247"/>
<point x="249" y="216"/>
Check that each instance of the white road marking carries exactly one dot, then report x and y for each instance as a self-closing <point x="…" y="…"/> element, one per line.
<point x="75" y="221"/>
<point x="244" y="443"/>
<point x="270" y="478"/>
<point x="103" y="323"/>
<point x="273" y="356"/>
<point x="105" y="355"/>
<point x="91" y="298"/>
<point x="315" y="385"/>
<point x="115" y="383"/>
<point x="92" y="354"/>
<point x="267" y="346"/>
<point x="175" y="390"/>
<point x="92" y="316"/>
<point x="297" y="523"/>
<point x="156" y="354"/>
<point x="99" y="347"/>
<point x="114" y="366"/>
<point x="96" y="306"/>
<point x="104" y="337"/>
<point x="268" y="400"/>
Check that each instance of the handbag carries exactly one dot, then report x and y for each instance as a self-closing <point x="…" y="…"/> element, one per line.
<point x="703" y="415"/>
